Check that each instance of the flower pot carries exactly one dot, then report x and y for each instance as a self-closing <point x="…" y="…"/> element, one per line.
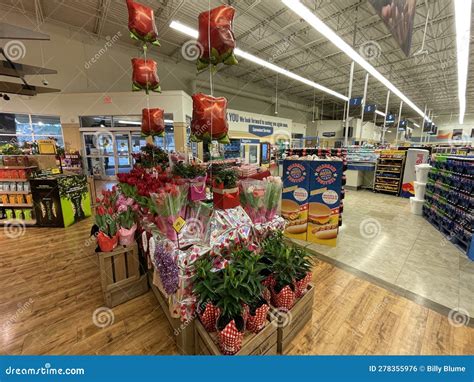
<point x="127" y="236"/>
<point x="230" y="337"/>
<point x="245" y="313"/>
<point x="106" y="243"/>
<point x="302" y="285"/>
<point x="267" y="296"/>
<point x="209" y="317"/>
<point x="256" y="322"/>
<point x="269" y="282"/>
<point x="284" y="299"/>
<point x="197" y="188"/>
<point x="225" y="198"/>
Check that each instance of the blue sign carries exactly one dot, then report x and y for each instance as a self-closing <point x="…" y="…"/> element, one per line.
<point x="390" y="118"/>
<point x="246" y="140"/>
<point x="329" y="134"/>
<point x="260" y="131"/>
<point x="357" y="101"/>
<point x="370" y="108"/>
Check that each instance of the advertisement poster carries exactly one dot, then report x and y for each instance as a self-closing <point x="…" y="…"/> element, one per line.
<point x="294" y="203"/>
<point x="325" y="185"/>
<point x="398" y="16"/>
<point x="414" y="157"/>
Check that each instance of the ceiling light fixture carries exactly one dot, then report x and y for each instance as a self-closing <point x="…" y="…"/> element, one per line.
<point x="380" y="113"/>
<point x="306" y="14"/>
<point x="462" y="12"/>
<point x="416" y="125"/>
<point x="176" y="25"/>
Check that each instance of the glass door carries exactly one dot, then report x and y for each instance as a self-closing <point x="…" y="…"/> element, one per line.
<point x="123" y="157"/>
<point x="99" y="155"/>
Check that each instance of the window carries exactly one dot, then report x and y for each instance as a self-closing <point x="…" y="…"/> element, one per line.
<point x="22" y="128"/>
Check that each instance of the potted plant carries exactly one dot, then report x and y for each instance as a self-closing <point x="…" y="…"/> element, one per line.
<point x="284" y="273"/>
<point x="225" y="190"/>
<point x="126" y="216"/>
<point x="107" y="237"/>
<point x="196" y="176"/>
<point x="303" y="264"/>
<point x="255" y="305"/>
<point x="205" y="282"/>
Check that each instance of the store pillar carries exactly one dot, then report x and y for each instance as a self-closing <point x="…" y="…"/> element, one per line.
<point x="180" y="137"/>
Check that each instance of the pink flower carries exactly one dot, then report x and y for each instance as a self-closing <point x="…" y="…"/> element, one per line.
<point x="122" y="208"/>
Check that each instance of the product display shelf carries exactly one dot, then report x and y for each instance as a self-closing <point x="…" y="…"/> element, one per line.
<point x="450" y="201"/>
<point x="389" y="172"/>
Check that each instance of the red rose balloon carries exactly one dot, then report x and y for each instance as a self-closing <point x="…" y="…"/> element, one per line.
<point x="141" y="23"/>
<point x="221" y="50"/>
<point x="153" y="122"/>
<point x="209" y="119"/>
<point x="145" y="76"/>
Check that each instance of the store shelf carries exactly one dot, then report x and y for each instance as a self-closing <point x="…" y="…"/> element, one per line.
<point x="387" y="177"/>
<point x="12" y="205"/>
<point x="392" y="172"/>
<point x="15" y="192"/>
<point x="14" y="221"/>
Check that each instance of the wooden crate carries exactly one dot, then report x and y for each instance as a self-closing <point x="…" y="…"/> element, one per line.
<point x="120" y="275"/>
<point x="183" y="331"/>
<point x="292" y="323"/>
<point x="262" y="343"/>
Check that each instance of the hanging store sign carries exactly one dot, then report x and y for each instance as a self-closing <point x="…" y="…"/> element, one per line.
<point x="260" y="131"/>
<point x="249" y="141"/>
<point x="329" y="134"/>
<point x="370" y="108"/>
<point x="357" y="101"/>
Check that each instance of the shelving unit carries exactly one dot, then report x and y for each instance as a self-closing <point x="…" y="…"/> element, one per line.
<point x="449" y="199"/>
<point x="389" y="171"/>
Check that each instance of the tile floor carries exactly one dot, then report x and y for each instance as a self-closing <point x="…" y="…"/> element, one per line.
<point x="382" y="238"/>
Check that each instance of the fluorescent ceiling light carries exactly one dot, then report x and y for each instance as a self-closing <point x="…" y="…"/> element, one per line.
<point x="462" y="11"/>
<point x="416" y="125"/>
<point x="130" y="122"/>
<point x="169" y="121"/>
<point x="380" y="113"/>
<point x="297" y="7"/>
<point x="256" y="60"/>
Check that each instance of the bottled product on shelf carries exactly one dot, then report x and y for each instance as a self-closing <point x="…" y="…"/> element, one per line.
<point x="449" y="199"/>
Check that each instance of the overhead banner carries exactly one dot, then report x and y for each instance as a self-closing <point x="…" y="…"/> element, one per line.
<point x="398" y="16"/>
<point x="258" y="125"/>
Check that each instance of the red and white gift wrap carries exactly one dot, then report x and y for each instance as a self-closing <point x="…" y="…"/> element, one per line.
<point x="257" y="322"/>
<point x="285" y="299"/>
<point x="209" y="317"/>
<point x="230" y="339"/>
<point x="302" y="285"/>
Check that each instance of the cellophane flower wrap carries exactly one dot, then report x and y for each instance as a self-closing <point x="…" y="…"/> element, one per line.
<point x="252" y="199"/>
<point x="196" y="231"/>
<point x="273" y="190"/>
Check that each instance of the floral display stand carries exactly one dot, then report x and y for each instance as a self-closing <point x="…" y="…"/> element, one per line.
<point x="262" y="343"/>
<point x="291" y="323"/>
<point x="120" y="275"/>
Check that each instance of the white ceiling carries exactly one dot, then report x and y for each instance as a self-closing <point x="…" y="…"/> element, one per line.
<point x="267" y="28"/>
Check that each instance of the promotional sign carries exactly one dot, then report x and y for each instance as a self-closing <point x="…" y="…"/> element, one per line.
<point x="257" y="124"/>
<point x="413" y="158"/>
<point x="294" y="203"/>
<point x="398" y="16"/>
<point x="325" y="183"/>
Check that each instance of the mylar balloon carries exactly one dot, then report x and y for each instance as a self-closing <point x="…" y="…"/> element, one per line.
<point x="153" y="122"/>
<point x="218" y="22"/>
<point x="209" y="119"/>
<point x="141" y="23"/>
<point x="145" y="76"/>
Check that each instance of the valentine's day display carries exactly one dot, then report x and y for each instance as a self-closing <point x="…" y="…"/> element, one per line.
<point x="216" y="37"/>
<point x="225" y="189"/>
<point x="196" y="176"/>
<point x="209" y="120"/>
<point x="144" y="75"/>
<point x="141" y="23"/>
<point x="261" y="199"/>
<point x="121" y="277"/>
<point x="153" y="122"/>
<point x="151" y="156"/>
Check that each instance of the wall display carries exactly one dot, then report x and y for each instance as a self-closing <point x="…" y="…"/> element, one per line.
<point x="216" y="37"/>
<point x="294" y="204"/>
<point x="61" y="201"/>
<point x="324" y="201"/>
<point x="398" y="16"/>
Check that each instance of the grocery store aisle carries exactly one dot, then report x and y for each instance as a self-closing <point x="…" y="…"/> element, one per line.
<point x="382" y="239"/>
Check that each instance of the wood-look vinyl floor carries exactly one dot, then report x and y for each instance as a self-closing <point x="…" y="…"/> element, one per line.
<point x="50" y="288"/>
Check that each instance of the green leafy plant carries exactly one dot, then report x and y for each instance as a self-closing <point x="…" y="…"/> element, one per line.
<point x="303" y="261"/>
<point x="228" y="177"/>
<point x="10" y="149"/>
<point x="188" y="170"/>
<point x="105" y="219"/>
<point x="151" y="156"/>
<point x="206" y="281"/>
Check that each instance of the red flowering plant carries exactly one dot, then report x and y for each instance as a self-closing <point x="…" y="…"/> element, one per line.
<point x="106" y="212"/>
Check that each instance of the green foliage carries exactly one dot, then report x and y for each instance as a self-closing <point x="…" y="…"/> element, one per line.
<point x="151" y="156"/>
<point x="107" y="224"/>
<point x="206" y="280"/>
<point x="188" y="170"/>
<point x="227" y="176"/>
<point x="10" y="149"/>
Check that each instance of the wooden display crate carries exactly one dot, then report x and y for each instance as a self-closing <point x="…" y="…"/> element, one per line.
<point x="120" y="275"/>
<point x="262" y="343"/>
<point x="290" y="324"/>
<point x="183" y="331"/>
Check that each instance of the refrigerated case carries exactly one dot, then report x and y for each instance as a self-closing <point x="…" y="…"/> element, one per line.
<point x="250" y="151"/>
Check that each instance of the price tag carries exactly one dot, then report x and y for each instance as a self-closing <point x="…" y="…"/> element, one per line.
<point x="178" y="224"/>
<point x="55" y="171"/>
